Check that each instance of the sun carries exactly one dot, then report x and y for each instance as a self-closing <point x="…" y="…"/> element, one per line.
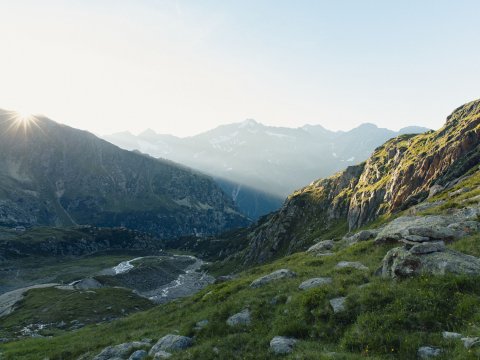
<point x="22" y="121"/>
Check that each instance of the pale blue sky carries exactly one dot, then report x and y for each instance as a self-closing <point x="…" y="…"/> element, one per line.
<point x="183" y="67"/>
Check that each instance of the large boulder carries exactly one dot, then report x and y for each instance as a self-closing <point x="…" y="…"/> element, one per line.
<point x="321" y="246"/>
<point x="171" y="343"/>
<point x="315" y="282"/>
<point x="433" y="227"/>
<point x="121" y="351"/>
<point x="242" y="318"/>
<point x="281" y="345"/>
<point x="403" y="262"/>
<point x="276" y="275"/>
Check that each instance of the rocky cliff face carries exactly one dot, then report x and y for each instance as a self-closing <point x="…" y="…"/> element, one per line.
<point x="399" y="174"/>
<point x="51" y="174"/>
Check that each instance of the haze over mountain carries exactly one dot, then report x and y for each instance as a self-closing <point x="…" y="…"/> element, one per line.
<point x="51" y="174"/>
<point x="260" y="165"/>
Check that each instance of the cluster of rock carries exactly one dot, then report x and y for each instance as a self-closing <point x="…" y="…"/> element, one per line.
<point x="137" y="350"/>
<point x="424" y="250"/>
<point x="428" y="352"/>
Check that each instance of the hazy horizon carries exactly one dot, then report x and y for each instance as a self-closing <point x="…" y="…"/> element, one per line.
<point x="184" y="67"/>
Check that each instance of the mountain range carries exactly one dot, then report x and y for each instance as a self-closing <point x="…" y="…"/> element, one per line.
<point x="260" y="165"/>
<point x="54" y="175"/>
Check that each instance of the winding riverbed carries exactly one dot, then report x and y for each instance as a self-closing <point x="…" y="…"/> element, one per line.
<point x="190" y="280"/>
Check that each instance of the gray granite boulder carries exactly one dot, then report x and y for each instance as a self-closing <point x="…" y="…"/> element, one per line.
<point x="281" y="345"/>
<point x="315" y="282"/>
<point x="401" y="262"/>
<point x="458" y="224"/>
<point x="338" y="304"/>
<point x="276" y="275"/>
<point x="171" y="342"/>
<point x="321" y="246"/>
<point x="242" y="318"/>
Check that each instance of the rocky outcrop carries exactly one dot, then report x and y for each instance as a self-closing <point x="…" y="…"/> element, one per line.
<point x="312" y="209"/>
<point x="402" y="172"/>
<point x="54" y="175"/>
<point x="398" y="175"/>
<point x="121" y="351"/>
<point x="455" y="225"/>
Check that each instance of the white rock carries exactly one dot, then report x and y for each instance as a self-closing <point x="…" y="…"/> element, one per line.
<point x="469" y="342"/>
<point x="451" y="335"/>
<point x="427" y="352"/>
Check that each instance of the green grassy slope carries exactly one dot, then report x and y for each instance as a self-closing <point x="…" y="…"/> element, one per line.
<point x="384" y="319"/>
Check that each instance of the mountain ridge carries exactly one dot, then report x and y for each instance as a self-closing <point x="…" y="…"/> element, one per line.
<point x="56" y="175"/>
<point x="273" y="160"/>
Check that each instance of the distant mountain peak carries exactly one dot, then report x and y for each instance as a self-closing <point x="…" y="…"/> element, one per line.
<point x="148" y="133"/>
<point x="249" y="123"/>
<point x="367" y="126"/>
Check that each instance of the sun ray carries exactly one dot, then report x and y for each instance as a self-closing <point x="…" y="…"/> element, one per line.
<point x="21" y="122"/>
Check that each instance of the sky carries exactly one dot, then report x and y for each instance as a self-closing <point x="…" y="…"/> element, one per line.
<point x="186" y="66"/>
